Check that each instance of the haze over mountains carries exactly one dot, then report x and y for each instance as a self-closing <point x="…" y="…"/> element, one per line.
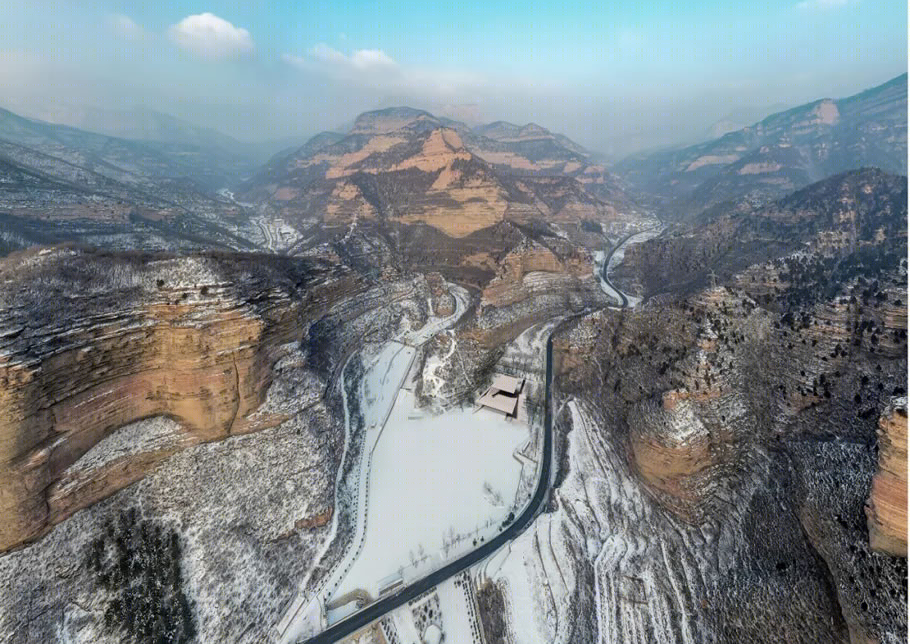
<point x="783" y="152"/>
<point x="202" y="340"/>
<point x="407" y="166"/>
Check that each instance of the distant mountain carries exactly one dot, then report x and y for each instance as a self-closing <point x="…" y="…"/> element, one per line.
<point x="513" y="149"/>
<point x="127" y="160"/>
<point x="316" y="143"/>
<point x="224" y="158"/>
<point x="782" y="153"/>
<point x="148" y="167"/>
<point x="393" y="119"/>
<point x="140" y="124"/>
<point x="59" y="183"/>
<point x="406" y="165"/>
<point x="533" y="150"/>
<point x="737" y="120"/>
<point x="505" y="133"/>
<point x="860" y="214"/>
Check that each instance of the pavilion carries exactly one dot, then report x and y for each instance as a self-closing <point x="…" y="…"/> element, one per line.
<point x="503" y="395"/>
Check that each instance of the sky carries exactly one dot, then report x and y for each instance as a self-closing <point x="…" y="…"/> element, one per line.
<point x="615" y="76"/>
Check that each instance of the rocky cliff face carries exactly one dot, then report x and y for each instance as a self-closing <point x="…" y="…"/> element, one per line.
<point x="408" y="167"/>
<point x="700" y="501"/>
<point x="847" y="225"/>
<point x="409" y="175"/>
<point x="532" y="150"/>
<point x="887" y="506"/>
<point x="189" y="396"/>
<point x="116" y="342"/>
<point x="717" y="447"/>
<point x="539" y="279"/>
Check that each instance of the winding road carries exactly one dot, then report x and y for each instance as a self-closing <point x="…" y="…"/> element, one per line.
<point x="390" y="602"/>
<point x="605" y="269"/>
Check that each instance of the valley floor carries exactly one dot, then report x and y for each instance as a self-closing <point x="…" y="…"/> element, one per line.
<point x="438" y="484"/>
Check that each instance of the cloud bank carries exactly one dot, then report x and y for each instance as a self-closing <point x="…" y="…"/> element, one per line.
<point x="375" y="70"/>
<point x="362" y="59"/>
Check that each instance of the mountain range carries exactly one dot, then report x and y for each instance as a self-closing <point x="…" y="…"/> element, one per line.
<point x="781" y="153"/>
<point x="154" y="180"/>
<point x="201" y="358"/>
<point x="408" y="166"/>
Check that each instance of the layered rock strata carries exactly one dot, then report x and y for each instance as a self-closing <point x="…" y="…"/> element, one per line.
<point x="190" y="339"/>
<point x="887" y="506"/>
<point x="251" y="494"/>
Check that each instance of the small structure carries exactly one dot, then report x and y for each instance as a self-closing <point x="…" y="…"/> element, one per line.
<point x="503" y="395"/>
<point x="390" y="584"/>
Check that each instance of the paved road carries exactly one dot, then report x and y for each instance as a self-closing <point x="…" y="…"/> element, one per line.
<point x="606" y="267"/>
<point x="391" y="602"/>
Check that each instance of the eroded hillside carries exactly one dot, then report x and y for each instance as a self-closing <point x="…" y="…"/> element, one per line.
<point x="191" y="395"/>
<point x="731" y="457"/>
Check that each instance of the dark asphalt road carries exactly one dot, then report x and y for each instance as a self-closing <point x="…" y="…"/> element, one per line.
<point x="625" y="301"/>
<point x="389" y="603"/>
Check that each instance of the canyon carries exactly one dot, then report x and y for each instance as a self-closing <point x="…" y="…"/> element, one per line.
<point x="182" y="376"/>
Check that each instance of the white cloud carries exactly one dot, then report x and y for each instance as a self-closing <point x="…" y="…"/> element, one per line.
<point x="362" y="59"/>
<point x="374" y="69"/>
<point x="211" y="37"/>
<point x="124" y="26"/>
<point x="821" y="5"/>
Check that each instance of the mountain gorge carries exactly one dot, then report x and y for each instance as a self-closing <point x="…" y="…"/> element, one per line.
<point x="192" y="342"/>
<point x="723" y="448"/>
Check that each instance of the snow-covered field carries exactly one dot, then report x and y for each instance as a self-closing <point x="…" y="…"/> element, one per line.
<point x="437" y="482"/>
<point x="457" y="610"/>
<point x="536" y="576"/>
<point x="385" y="369"/>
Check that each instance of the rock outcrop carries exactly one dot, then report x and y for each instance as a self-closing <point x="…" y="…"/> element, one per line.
<point x="697" y="498"/>
<point x="190" y="339"/>
<point x="223" y="370"/>
<point x="887" y="506"/>
<point x="404" y="166"/>
<point x="810" y="232"/>
<point x="717" y="447"/>
<point x="536" y="281"/>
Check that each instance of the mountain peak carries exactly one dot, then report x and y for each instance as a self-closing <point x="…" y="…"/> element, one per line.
<point x="390" y="119"/>
<point x="532" y="130"/>
<point x="505" y="131"/>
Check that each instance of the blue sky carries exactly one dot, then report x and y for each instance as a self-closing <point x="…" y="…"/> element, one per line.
<point x="638" y="72"/>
